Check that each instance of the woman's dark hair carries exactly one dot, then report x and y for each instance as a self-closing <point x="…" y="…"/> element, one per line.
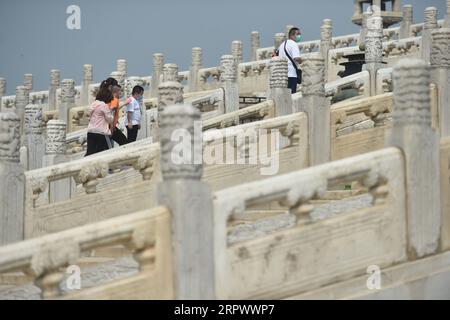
<point x="105" y="95"/>
<point x="108" y="82"/>
<point x="137" y="90"/>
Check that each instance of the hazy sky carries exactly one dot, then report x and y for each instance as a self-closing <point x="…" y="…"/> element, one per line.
<point x="34" y="37"/>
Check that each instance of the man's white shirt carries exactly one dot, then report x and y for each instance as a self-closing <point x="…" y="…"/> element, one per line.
<point x="294" y="52"/>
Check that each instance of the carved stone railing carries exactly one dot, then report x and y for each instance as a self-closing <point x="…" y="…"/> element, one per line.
<point x="88" y="173"/>
<point x="281" y="264"/>
<point x="145" y="234"/>
<point x="209" y="78"/>
<point x="358" y="81"/>
<point x="401" y="48"/>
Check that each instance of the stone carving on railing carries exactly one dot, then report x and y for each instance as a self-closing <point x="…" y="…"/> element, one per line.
<point x="401" y="47"/>
<point x="359" y="81"/>
<point x="89" y="175"/>
<point x="9" y="137"/>
<point x="204" y="77"/>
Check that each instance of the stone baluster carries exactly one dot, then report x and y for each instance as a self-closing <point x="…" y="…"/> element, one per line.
<point x="363" y="31"/>
<point x="447" y="16"/>
<point x="412" y="132"/>
<point x="326" y="42"/>
<point x="22" y="99"/>
<point x="190" y="202"/>
<point x="374" y="50"/>
<point x="170" y="72"/>
<point x="88" y="79"/>
<point x="196" y="65"/>
<point x="12" y="180"/>
<point x="2" y="91"/>
<point x="122" y="66"/>
<point x="228" y="78"/>
<point x="287" y="29"/>
<point x="34" y="138"/>
<point x="67" y="99"/>
<point x="278" y="40"/>
<point x="278" y="86"/>
<point x="120" y="77"/>
<point x="158" y="63"/>
<point x="317" y="107"/>
<point x="55" y="83"/>
<point x="55" y="150"/>
<point x="236" y="51"/>
<point x="28" y="81"/>
<point x="255" y="40"/>
<point x="440" y="68"/>
<point x="405" y="26"/>
<point x="429" y="25"/>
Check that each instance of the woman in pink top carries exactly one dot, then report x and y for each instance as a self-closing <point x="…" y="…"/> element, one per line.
<point x="98" y="137"/>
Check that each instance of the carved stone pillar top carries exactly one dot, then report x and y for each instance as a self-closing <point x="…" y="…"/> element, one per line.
<point x="236" y="51"/>
<point x="158" y="61"/>
<point x="120" y="77"/>
<point x="122" y="66"/>
<point x="68" y="91"/>
<point x="196" y="57"/>
<point x="170" y="93"/>
<point x="34" y="121"/>
<point x="255" y="39"/>
<point x="22" y="97"/>
<point x="411" y="81"/>
<point x="181" y="144"/>
<point x="170" y="72"/>
<point x="287" y="29"/>
<point x="313" y="75"/>
<point x="326" y="31"/>
<point x="430" y="18"/>
<point x="55" y="78"/>
<point x="228" y="68"/>
<point x="88" y="73"/>
<point x="408" y="12"/>
<point x="278" y="68"/>
<point x="373" y="41"/>
<point x="440" y="48"/>
<point x="2" y="86"/>
<point x="278" y="39"/>
<point x="28" y="81"/>
<point x="56" y="137"/>
<point x="9" y="137"/>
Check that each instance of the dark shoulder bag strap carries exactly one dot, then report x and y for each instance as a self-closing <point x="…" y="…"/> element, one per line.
<point x="292" y="60"/>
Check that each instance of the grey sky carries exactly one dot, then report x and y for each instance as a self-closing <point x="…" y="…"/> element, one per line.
<point x="34" y="37"/>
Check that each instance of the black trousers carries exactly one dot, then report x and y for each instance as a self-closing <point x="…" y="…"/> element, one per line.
<point x="292" y="84"/>
<point x="97" y="142"/>
<point x="119" y="137"/>
<point x="132" y="133"/>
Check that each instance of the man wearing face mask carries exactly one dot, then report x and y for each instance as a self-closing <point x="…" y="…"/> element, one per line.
<point x="133" y="113"/>
<point x="290" y="51"/>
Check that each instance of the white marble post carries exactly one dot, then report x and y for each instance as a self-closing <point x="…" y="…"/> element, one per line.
<point x="363" y="31"/>
<point x="34" y="138"/>
<point x="190" y="202"/>
<point x="287" y="29"/>
<point x="67" y="99"/>
<point x="28" y="81"/>
<point x="236" y="51"/>
<point x="412" y="132"/>
<point x="326" y="42"/>
<point x="55" y="150"/>
<point x="405" y="25"/>
<point x="447" y="16"/>
<point x="228" y="78"/>
<point x="196" y="65"/>
<point x="374" y="50"/>
<point x="170" y="72"/>
<point x="12" y="180"/>
<point x="278" y="86"/>
<point x="55" y="83"/>
<point x="440" y="66"/>
<point x="22" y="99"/>
<point x="255" y="41"/>
<point x="429" y="25"/>
<point x="88" y="79"/>
<point x="120" y="77"/>
<point x="122" y="66"/>
<point x="158" y="63"/>
<point x="2" y="91"/>
<point x="278" y="39"/>
<point x="317" y="107"/>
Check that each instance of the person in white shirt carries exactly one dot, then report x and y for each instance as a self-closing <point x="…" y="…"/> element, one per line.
<point x="290" y="47"/>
